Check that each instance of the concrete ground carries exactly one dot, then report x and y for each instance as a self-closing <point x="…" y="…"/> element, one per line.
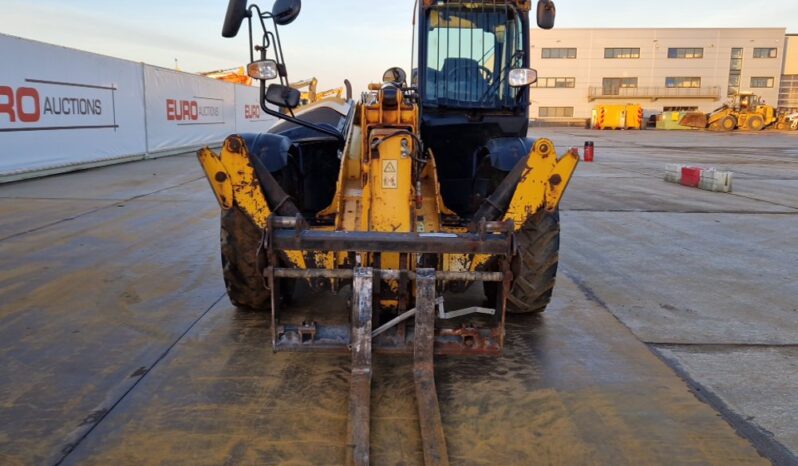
<point x="708" y="280"/>
<point x="671" y="338"/>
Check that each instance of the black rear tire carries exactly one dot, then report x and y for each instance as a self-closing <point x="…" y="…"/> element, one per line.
<point x="241" y="266"/>
<point x="535" y="267"/>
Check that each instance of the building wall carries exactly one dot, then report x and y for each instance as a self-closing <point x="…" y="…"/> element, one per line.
<point x="791" y="54"/>
<point x="788" y="94"/>
<point x="653" y="66"/>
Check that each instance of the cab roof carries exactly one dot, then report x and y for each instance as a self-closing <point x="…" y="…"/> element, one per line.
<point x="523" y="5"/>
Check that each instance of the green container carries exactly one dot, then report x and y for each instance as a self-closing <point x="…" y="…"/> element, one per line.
<point x="670" y="121"/>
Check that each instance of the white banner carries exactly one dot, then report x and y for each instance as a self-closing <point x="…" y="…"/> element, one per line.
<point x="60" y="106"/>
<point x="249" y="116"/>
<point x="185" y="110"/>
<point x="62" y="109"/>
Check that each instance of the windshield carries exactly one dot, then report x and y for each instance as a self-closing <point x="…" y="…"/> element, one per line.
<point x="470" y="51"/>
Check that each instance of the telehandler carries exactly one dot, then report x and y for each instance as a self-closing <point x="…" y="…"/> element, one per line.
<point x="413" y="190"/>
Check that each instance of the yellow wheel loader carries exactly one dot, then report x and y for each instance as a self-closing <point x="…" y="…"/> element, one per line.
<point x="414" y="190"/>
<point x="745" y="111"/>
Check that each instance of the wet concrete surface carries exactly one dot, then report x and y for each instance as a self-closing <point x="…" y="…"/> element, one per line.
<point x="574" y="388"/>
<point x="118" y="345"/>
<point x="708" y="280"/>
<point x="90" y="301"/>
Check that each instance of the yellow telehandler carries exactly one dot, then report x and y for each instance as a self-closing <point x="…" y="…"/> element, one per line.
<point x="413" y="190"/>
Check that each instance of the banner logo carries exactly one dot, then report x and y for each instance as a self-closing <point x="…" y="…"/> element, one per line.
<point x="252" y="112"/>
<point x="197" y="111"/>
<point x="53" y="105"/>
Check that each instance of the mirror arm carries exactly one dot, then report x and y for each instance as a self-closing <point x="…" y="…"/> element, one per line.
<point x="330" y="132"/>
<point x="251" y="44"/>
<point x="278" y="51"/>
<point x="278" y="58"/>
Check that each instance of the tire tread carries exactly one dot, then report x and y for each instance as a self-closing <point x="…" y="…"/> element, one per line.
<point x="240" y="240"/>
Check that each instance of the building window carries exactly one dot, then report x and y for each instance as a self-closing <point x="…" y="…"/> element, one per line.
<point x="685" y="53"/>
<point x="736" y="59"/>
<point x="555" y="82"/>
<point x="765" y="52"/>
<point x="734" y="79"/>
<point x="679" y="109"/>
<point x="761" y="82"/>
<point x="621" y="53"/>
<point x="613" y="86"/>
<point x="683" y="82"/>
<point x="735" y="69"/>
<point x="556" y="112"/>
<point x="788" y="93"/>
<point x="558" y="53"/>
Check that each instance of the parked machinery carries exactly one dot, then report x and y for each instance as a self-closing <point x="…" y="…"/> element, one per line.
<point x="787" y="121"/>
<point x="311" y="95"/>
<point x="412" y="191"/>
<point x="237" y="75"/>
<point x="308" y="96"/>
<point x="745" y="111"/>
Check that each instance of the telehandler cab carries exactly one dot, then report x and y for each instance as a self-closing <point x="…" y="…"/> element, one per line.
<point x="409" y="192"/>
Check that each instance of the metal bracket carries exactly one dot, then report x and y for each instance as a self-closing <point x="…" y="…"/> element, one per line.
<point x="442" y="314"/>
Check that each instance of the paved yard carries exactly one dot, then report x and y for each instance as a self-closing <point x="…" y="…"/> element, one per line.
<point x="672" y="338"/>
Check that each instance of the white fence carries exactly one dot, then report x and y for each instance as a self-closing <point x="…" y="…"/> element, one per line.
<point x="63" y="109"/>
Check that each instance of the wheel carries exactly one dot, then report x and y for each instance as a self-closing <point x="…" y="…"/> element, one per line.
<point x="728" y="123"/>
<point x="781" y="126"/>
<point x="755" y="123"/>
<point x="535" y="267"/>
<point x="241" y="268"/>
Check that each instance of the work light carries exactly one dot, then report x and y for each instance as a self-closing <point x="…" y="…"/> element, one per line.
<point x="262" y="69"/>
<point x="521" y="77"/>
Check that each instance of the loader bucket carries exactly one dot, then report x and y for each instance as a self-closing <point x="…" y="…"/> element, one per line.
<point x="694" y="120"/>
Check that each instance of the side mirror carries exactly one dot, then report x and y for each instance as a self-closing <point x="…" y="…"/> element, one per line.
<point x="283" y="96"/>
<point x="546" y="13"/>
<point x="286" y="11"/>
<point x="236" y="12"/>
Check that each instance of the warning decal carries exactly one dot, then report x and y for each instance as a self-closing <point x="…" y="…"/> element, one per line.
<point x="389" y="175"/>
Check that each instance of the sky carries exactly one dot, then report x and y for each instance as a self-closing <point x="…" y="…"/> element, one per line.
<point x="331" y="39"/>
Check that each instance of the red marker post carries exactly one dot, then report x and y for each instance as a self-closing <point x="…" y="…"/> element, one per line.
<point x="589" y="148"/>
